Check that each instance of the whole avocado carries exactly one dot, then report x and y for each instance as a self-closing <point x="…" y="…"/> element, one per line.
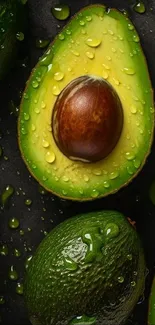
<point x="12" y="21"/>
<point x="88" y="270"/>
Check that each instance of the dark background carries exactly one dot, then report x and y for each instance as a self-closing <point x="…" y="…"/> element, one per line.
<point x="47" y="210"/>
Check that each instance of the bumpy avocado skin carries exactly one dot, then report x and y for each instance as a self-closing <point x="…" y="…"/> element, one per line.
<point x="93" y="265"/>
<point x="120" y="45"/>
<point x="12" y="20"/>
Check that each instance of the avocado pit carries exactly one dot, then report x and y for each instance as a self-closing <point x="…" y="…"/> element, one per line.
<point x="87" y="119"/>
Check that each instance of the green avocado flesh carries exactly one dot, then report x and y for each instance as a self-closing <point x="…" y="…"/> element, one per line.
<point x="105" y="44"/>
<point x="11" y="21"/>
<point x="88" y="270"/>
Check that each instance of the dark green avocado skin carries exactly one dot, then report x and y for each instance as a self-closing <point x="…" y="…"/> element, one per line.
<point x="12" y="20"/>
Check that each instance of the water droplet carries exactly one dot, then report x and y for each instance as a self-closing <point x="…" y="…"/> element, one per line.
<point x="13" y="275"/>
<point x="69" y="264"/>
<point x="136" y="38"/>
<point x="133" y="283"/>
<point x="37" y="110"/>
<point x="135" y="273"/>
<point x="23" y="131"/>
<point x="17" y="253"/>
<point x="28" y="202"/>
<point x="151" y="110"/>
<point x="130" y="170"/>
<point x="56" y="90"/>
<point x="86" y="178"/>
<point x="6" y="194"/>
<point x="61" y="12"/>
<point x="26" y="116"/>
<point x="20" y="36"/>
<point x="83" y="320"/>
<point x="82" y="22"/>
<point x="94" y="194"/>
<point x="90" y="55"/>
<point x="137" y="162"/>
<point x="129" y="257"/>
<point x="4" y="251"/>
<point x="105" y="74"/>
<point x="113" y="50"/>
<point x="139" y="7"/>
<point x="129" y="71"/>
<point x="68" y="32"/>
<point x="111" y="230"/>
<point x="106" y="184"/>
<point x="114" y="175"/>
<point x="120" y="279"/>
<point x="116" y="81"/>
<point x="35" y="84"/>
<point x="88" y="18"/>
<point x="61" y="36"/>
<point x="108" y="58"/>
<point x="33" y="127"/>
<point x="19" y="288"/>
<point x="50" y="157"/>
<point x="43" y="105"/>
<point x="97" y="172"/>
<point x="42" y="43"/>
<point x="58" y="76"/>
<point x="21" y="232"/>
<point x="130" y="27"/>
<point x="106" y="66"/>
<point x="65" y="178"/>
<point x="130" y="155"/>
<point x="45" y="143"/>
<point x="13" y="223"/>
<point x="75" y="53"/>
<point x="2" y="300"/>
<point x="93" y="42"/>
<point x="27" y="262"/>
<point x="64" y="192"/>
<point x="133" y="109"/>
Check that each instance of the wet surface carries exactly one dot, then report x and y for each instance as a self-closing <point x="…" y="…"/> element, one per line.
<point x="45" y="211"/>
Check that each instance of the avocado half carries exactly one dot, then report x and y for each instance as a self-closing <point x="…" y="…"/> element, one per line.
<point x="12" y="20"/>
<point x="90" y="269"/>
<point x="96" y="43"/>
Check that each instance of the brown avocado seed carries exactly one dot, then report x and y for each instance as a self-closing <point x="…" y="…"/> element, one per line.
<point x="87" y="119"/>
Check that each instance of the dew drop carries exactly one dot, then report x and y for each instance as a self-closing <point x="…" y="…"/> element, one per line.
<point x="114" y="175"/>
<point x="111" y="230"/>
<point x="61" y="37"/>
<point x="151" y="110"/>
<point x="86" y="178"/>
<point x="97" y="172"/>
<point x="65" y="178"/>
<point x="130" y="170"/>
<point x="20" y="36"/>
<point x="56" y="90"/>
<point x="26" y="116"/>
<point x="106" y="66"/>
<point x="133" y="109"/>
<point x="35" y="84"/>
<point x="13" y="223"/>
<point x="42" y="43"/>
<point x="90" y="55"/>
<point x="45" y="143"/>
<point x="129" y="71"/>
<point x="43" y="105"/>
<point x="82" y="22"/>
<point x="129" y="156"/>
<point x="76" y="53"/>
<point x="13" y="275"/>
<point x="136" y="38"/>
<point x="106" y="184"/>
<point x="105" y="74"/>
<point x="120" y="279"/>
<point x="4" y="251"/>
<point x="61" y="12"/>
<point x="23" y="131"/>
<point x="93" y="42"/>
<point x="130" y="27"/>
<point x="88" y="18"/>
<point x="19" y="289"/>
<point x="94" y="194"/>
<point x="129" y="257"/>
<point x="58" y="76"/>
<point x="116" y="81"/>
<point x="50" y="157"/>
<point x="28" y="202"/>
<point x="6" y="194"/>
<point x="139" y="7"/>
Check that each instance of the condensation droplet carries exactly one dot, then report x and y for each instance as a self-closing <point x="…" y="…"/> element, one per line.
<point x="93" y="42"/>
<point x="90" y="55"/>
<point x="58" y="76"/>
<point x="50" y="157"/>
<point x="114" y="175"/>
<point x="133" y="109"/>
<point x="55" y="90"/>
<point x="45" y="143"/>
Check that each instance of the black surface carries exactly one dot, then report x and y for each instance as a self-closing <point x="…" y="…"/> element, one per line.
<point x="133" y="201"/>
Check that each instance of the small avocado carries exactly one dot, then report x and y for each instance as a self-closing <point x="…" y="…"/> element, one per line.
<point x="90" y="269"/>
<point x="12" y="21"/>
<point x="87" y="114"/>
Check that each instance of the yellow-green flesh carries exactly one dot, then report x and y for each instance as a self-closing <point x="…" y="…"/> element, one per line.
<point x="114" y="53"/>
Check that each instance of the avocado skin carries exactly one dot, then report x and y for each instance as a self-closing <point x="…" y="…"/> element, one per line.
<point x="55" y="295"/>
<point x="12" y="20"/>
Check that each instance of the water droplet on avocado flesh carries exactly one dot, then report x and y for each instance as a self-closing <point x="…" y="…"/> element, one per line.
<point x="103" y="53"/>
<point x="99" y="269"/>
